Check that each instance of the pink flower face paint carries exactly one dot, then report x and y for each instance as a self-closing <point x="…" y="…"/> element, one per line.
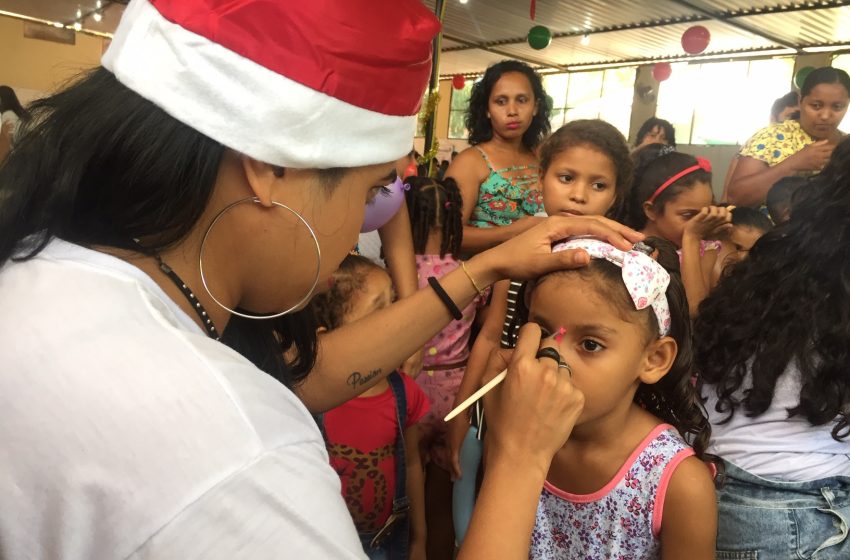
<point x="559" y="336"/>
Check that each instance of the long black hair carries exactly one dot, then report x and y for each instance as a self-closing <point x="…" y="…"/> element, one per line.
<point x="9" y="102"/>
<point x="478" y="123"/>
<point x="673" y="399"/>
<point x="654" y="165"/>
<point x="435" y="204"/>
<point x="788" y="303"/>
<point x="99" y="165"/>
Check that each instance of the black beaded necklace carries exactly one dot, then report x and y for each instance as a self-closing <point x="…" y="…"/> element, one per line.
<point x="206" y="320"/>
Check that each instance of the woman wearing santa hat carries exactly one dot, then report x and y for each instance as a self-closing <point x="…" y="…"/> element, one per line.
<point x="217" y="168"/>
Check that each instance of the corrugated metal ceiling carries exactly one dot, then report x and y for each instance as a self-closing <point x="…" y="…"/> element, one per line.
<point x="639" y="30"/>
<point x="481" y="32"/>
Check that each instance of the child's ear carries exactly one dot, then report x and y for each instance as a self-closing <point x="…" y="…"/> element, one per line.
<point x="649" y="211"/>
<point x="658" y="359"/>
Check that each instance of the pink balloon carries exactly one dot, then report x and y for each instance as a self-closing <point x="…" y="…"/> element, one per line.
<point x="695" y="39"/>
<point x="383" y="206"/>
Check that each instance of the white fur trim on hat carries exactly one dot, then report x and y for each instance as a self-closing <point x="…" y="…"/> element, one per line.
<point x="245" y="106"/>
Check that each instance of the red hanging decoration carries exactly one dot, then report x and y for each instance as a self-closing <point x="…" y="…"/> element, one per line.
<point x="661" y="71"/>
<point x="458" y="81"/>
<point x="695" y="39"/>
<point x="533" y="8"/>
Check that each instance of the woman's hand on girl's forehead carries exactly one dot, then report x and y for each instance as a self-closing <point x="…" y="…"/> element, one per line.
<point x="529" y="254"/>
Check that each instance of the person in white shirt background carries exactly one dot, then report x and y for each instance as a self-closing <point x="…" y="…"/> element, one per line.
<point x="771" y="349"/>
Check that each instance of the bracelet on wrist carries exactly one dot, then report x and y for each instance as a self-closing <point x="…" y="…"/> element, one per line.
<point x="471" y="279"/>
<point x="444" y="297"/>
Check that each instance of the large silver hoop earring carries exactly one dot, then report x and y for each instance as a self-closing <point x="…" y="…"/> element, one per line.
<point x="302" y="301"/>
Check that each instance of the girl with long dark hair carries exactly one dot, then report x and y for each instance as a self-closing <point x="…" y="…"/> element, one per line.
<point x="772" y="349"/>
<point x="508" y="117"/>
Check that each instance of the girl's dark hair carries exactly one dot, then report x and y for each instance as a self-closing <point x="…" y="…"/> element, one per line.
<point x="600" y="136"/>
<point x="825" y="75"/>
<point x="654" y="165"/>
<point x="331" y="307"/>
<point x="9" y="102"/>
<point x="750" y="217"/>
<point x="651" y="123"/>
<point x="97" y="164"/>
<point x="781" y="195"/>
<point x="787" y="303"/>
<point x="673" y="399"/>
<point x="477" y="122"/>
<point x="790" y="99"/>
<point x="435" y="204"/>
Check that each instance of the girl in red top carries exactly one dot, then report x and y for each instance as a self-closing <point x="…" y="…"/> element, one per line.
<point x="373" y="440"/>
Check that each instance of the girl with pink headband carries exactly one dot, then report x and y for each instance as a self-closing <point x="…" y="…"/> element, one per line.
<point x="672" y="198"/>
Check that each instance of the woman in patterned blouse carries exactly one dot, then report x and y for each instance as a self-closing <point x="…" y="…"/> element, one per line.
<point x="793" y="147"/>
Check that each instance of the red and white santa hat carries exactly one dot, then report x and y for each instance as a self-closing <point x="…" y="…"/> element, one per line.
<point x="295" y="83"/>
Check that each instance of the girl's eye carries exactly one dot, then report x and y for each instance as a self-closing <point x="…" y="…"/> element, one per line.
<point x="565" y="178"/>
<point x="598" y="186"/>
<point x="589" y="345"/>
<point x="375" y="191"/>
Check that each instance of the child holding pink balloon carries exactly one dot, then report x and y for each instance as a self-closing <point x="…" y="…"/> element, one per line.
<point x="435" y="208"/>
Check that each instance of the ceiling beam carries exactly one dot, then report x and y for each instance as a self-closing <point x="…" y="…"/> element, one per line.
<point x="761" y="52"/>
<point x="591" y="31"/>
<point x="483" y="47"/>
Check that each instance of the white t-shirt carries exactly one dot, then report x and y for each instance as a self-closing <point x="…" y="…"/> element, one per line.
<point x="369" y="245"/>
<point x="774" y="446"/>
<point x="125" y="432"/>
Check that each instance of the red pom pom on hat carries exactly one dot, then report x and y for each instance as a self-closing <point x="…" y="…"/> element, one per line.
<point x="318" y="83"/>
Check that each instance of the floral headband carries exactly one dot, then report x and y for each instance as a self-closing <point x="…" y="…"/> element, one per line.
<point x="645" y="279"/>
<point x="702" y="163"/>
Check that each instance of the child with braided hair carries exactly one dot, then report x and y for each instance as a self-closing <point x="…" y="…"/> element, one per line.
<point x="435" y="208"/>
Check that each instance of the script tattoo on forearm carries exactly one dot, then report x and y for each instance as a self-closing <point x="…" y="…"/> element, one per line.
<point x="357" y="379"/>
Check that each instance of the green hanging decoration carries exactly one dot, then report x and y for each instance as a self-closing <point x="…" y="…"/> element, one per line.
<point x="801" y="76"/>
<point x="539" y="37"/>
